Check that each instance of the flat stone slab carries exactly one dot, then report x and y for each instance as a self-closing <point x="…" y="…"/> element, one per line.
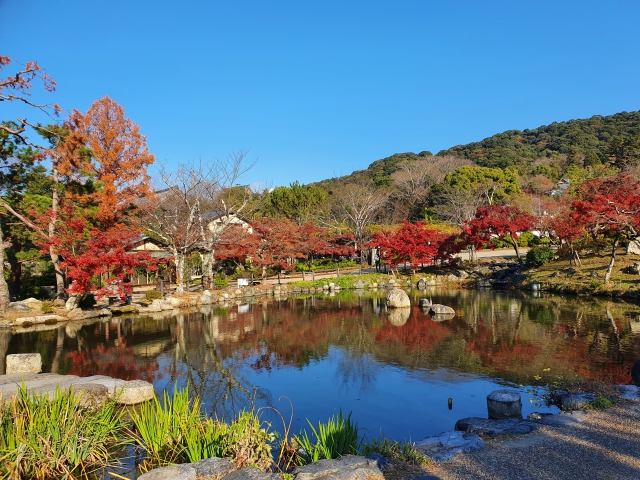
<point x="349" y="467"/>
<point x="487" y="427"/>
<point x="125" y="392"/>
<point x="630" y="393"/>
<point x="448" y="444"/>
<point x="553" y="420"/>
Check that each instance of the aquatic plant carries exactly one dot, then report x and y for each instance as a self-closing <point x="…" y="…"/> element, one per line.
<point x="337" y="437"/>
<point x="58" y="436"/>
<point x="176" y="431"/>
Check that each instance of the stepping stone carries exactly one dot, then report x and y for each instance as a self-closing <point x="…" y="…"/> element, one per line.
<point x="448" y="444"/>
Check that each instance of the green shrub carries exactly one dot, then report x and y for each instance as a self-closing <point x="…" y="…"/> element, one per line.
<point x="302" y="267"/>
<point x="601" y="402"/>
<point x="47" y="306"/>
<point x="405" y="451"/>
<point x="221" y="282"/>
<point x="151" y="295"/>
<point x="337" y="437"/>
<point x="539" y="256"/>
<point x="58" y="437"/>
<point x="527" y="239"/>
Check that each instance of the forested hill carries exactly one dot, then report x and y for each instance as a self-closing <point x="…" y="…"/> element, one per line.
<point x="519" y="148"/>
<point x="588" y="138"/>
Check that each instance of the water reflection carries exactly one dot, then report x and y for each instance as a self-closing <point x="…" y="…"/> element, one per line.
<point x="350" y="349"/>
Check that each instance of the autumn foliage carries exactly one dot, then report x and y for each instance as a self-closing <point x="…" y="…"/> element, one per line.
<point x="413" y="243"/>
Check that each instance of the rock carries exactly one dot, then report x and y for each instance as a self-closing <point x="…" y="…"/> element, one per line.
<point x="425" y="303"/>
<point x="251" y="473"/>
<point x="487" y="427"/>
<point x="399" y="316"/>
<point x="129" y="392"/>
<point x="39" y="319"/>
<point x="58" y="302"/>
<point x="71" y="303"/>
<point x="381" y="461"/>
<point x="177" y="472"/>
<point x="448" y="444"/>
<point x="504" y="404"/>
<point x="18" y="307"/>
<point x="349" y="467"/>
<point x="398" y="299"/>
<point x="175" y="302"/>
<point x="23" y="363"/>
<point x="438" y="309"/>
<point x="213" y="468"/>
<point x="555" y="274"/>
<point x="630" y="393"/>
<point x="634" y="247"/>
<point x="595" y="274"/>
<point x="33" y="303"/>
<point x="91" y="394"/>
<point x="569" y="271"/>
<point x="156" y="306"/>
<point x="359" y="285"/>
<point x="635" y="373"/>
<point x="558" y="420"/>
<point x="575" y="401"/>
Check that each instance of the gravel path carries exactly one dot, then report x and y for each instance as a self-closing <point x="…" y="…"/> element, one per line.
<point x="605" y="445"/>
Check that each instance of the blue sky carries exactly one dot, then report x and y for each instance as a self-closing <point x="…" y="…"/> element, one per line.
<point x="319" y="89"/>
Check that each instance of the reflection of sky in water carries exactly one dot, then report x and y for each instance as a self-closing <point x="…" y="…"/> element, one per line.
<point x="399" y="403"/>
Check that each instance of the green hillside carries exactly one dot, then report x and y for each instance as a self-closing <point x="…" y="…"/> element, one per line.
<point x="588" y="139"/>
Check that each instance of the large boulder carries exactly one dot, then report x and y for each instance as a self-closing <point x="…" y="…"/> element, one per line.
<point x="23" y="363"/>
<point x="33" y="303"/>
<point x="634" y="247"/>
<point x="486" y="427"/>
<point x="398" y="298"/>
<point x="437" y="309"/>
<point x="173" y="472"/>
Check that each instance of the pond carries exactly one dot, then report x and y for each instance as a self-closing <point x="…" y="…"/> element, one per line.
<point x="319" y="354"/>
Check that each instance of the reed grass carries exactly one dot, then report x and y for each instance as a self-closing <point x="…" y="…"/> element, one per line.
<point x="337" y="437"/>
<point x="43" y="437"/>
<point x="175" y="431"/>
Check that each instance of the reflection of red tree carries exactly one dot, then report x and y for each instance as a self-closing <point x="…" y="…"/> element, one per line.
<point x="117" y="362"/>
<point x="415" y="334"/>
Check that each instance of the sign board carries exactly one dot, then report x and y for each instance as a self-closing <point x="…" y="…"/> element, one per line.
<point x="243" y="282"/>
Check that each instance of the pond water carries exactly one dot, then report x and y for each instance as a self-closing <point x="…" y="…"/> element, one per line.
<point x="320" y="354"/>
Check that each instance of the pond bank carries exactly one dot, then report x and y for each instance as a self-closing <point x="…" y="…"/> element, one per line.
<point x="604" y="445"/>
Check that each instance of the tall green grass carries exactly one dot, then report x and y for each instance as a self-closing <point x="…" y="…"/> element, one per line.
<point x="51" y="438"/>
<point x="337" y="437"/>
<point x="175" y="431"/>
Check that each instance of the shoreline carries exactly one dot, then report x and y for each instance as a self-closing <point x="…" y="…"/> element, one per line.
<point x="604" y="445"/>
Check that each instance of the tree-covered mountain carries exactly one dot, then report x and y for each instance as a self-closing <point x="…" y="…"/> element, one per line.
<point x="588" y="141"/>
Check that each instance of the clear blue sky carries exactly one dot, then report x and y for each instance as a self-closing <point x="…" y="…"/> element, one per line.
<point x="319" y="89"/>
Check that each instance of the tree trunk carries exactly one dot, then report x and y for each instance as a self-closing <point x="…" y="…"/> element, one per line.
<point x="207" y="269"/>
<point x="4" y="289"/>
<point x="15" y="278"/>
<point x="179" y="261"/>
<point x="515" y="247"/>
<point x="607" y="275"/>
<point x="55" y="258"/>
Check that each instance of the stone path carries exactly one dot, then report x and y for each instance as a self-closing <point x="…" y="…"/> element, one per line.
<point x="126" y="392"/>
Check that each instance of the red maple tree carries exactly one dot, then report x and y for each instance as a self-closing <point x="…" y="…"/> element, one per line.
<point x="611" y="207"/>
<point x="503" y="221"/>
<point x="414" y="243"/>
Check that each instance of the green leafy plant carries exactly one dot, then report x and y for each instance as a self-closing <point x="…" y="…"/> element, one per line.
<point x="337" y="437"/>
<point x="176" y="431"/>
<point x="539" y="255"/>
<point x="602" y="402"/>
<point x="221" y="282"/>
<point x="151" y="295"/>
<point x="47" y="306"/>
<point x="58" y="437"/>
<point x="403" y="451"/>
